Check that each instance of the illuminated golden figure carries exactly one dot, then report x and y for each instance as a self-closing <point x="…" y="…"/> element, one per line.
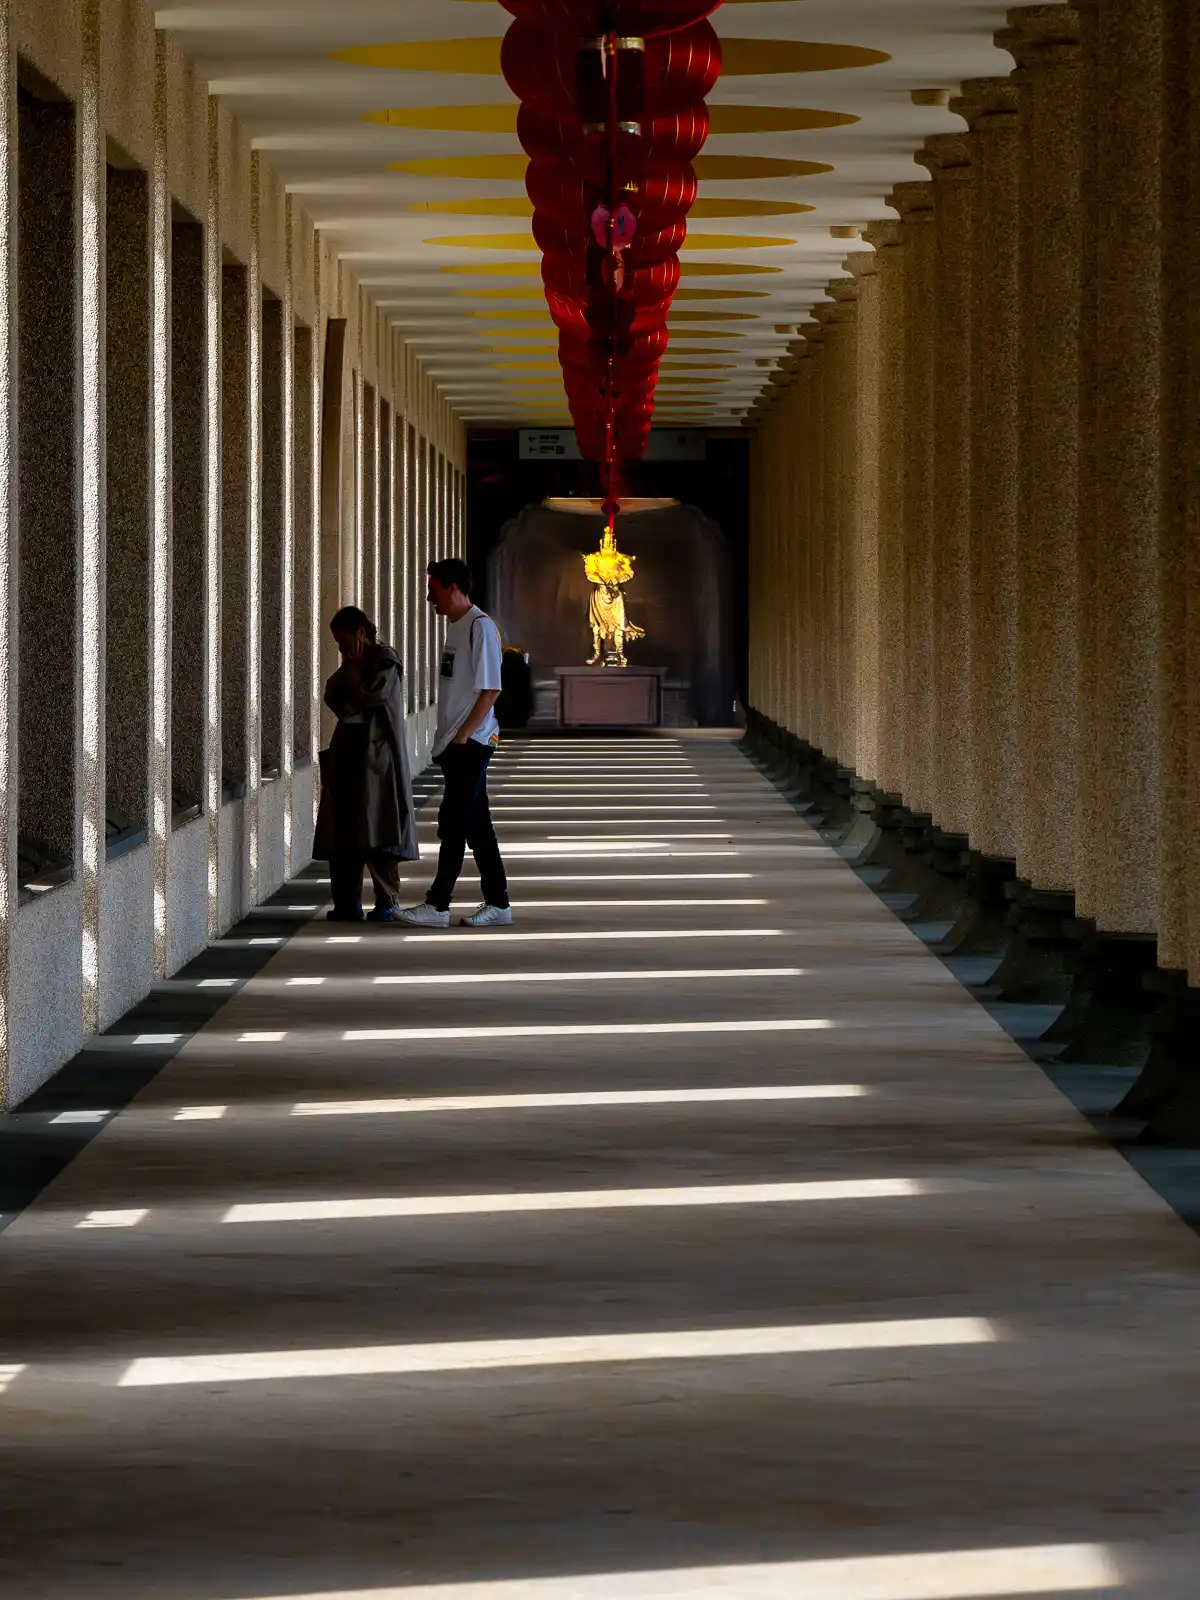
<point x="607" y="569"/>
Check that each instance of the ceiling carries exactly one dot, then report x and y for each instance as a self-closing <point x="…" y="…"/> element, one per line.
<point x="390" y="122"/>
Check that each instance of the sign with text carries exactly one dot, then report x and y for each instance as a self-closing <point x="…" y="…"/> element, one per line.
<point x="559" y="444"/>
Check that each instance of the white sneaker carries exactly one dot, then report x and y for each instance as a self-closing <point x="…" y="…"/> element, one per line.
<point x="423" y="916"/>
<point x="486" y="916"/>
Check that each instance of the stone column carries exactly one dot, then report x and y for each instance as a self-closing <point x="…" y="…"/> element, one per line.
<point x="815" y="548"/>
<point x="845" y="292"/>
<point x="990" y="108"/>
<point x="948" y="158"/>
<point x="9" y="641"/>
<point x="1183" y="477"/>
<point x="1044" y="40"/>
<point x="254" y="536"/>
<point x="213" y="495"/>
<point x="803" y="446"/>
<point x="162" y="490"/>
<point x="784" y="580"/>
<point x="829" y="531"/>
<point x="90" y="764"/>
<point x="1121" y="528"/>
<point x="1179" y="550"/>
<point x="290" y="428"/>
<point x="914" y="202"/>
<point x="865" y="572"/>
<point x="893" y="432"/>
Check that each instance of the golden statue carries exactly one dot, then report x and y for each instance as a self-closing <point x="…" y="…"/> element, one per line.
<point x="607" y="569"/>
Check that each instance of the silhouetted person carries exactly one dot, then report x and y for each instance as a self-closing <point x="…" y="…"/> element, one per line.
<point x="467" y="734"/>
<point x="365" y="817"/>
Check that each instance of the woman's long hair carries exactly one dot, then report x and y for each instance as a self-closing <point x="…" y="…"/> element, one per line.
<point x="350" y="619"/>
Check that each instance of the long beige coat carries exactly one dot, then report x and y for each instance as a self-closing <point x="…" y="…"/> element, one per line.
<point x="366" y="789"/>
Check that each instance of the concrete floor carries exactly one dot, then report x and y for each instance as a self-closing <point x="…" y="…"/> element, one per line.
<point x="703" y="1237"/>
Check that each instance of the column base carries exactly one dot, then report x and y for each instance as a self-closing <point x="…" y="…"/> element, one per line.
<point x="1167" y="1093"/>
<point x="981" y="928"/>
<point x="1045" y="934"/>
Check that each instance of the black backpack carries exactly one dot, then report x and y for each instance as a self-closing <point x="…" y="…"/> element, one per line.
<point x="515" y="705"/>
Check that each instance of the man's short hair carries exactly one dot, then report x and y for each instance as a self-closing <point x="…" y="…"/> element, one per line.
<point x="451" y="574"/>
<point x="350" y="619"/>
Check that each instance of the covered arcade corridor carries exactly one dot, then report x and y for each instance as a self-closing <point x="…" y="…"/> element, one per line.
<point x="698" y="1236"/>
<point x="798" y="1200"/>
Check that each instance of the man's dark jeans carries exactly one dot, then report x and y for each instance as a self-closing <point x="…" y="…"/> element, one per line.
<point x="465" y="820"/>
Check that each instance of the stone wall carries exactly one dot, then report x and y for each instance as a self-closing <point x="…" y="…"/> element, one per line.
<point x="174" y="528"/>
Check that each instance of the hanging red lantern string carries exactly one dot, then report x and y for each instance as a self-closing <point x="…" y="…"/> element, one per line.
<point x="612" y="116"/>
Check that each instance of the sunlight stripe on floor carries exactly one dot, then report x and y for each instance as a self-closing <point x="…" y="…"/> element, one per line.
<point x="1000" y="1574"/>
<point x="572" y="1100"/>
<point x="592" y="936"/>
<point x="419" y="980"/>
<point x="578" y="1030"/>
<point x="474" y="1205"/>
<point x="484" y="1355"/>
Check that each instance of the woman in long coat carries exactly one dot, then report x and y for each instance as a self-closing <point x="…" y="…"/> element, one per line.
<point x="365" y="817"/>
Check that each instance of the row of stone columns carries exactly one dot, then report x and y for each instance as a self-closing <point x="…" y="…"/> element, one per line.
<point x="976" y="543"/>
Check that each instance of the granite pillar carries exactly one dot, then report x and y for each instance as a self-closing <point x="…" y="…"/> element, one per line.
<point x="990" y="108"/>
<point x="287" y="509"/>
<point x="815" y="514"/>
<point x="1044" y="40"/>
<point x="1122" y="529"/>
<point x="948" y="159"/>
<point x="387" y="523"/>
<point x="1182" y="479"/>
<point x="273" y="477"/>
<point x="914" y="202"/>
<point x="887" y="237"/>
<point x="412" y="558"/>
<point x="1179" y="549"/>
<point x="235" y="571"/>
<point x="9" y="548"/>
<point x="865" y="515"/>
<point x="127" y="500"/>
<point x="306" y="606"/>
<point x="214" y="505"/>
<point x="88" y="794"/>
<point x="829" y="532"/>
<point x="188" y="513"/>
<point x="162" y="533"/>
<point x="792" y="594"/>
<point x="845" y="293"/>
<point x="48" y="574"/>
<point x="253" y="600"/>
<point x="369" y="502"/>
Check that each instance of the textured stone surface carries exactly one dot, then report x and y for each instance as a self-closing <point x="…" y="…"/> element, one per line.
<point x="128" y="502"/>
<point x="306" y="566"/>
<point x="501" y="1477"/>
<point x="948" y="158"/>
<point x="273" y="533"/>
<point x="866" y="423"/>
<point x="46" y="1019"/>
<point x="887" y="238"/>
<point x="990" y="107"/>
<point x="47" y="501"/>
<point x="187" y="892"/>
<point x="1045" y="43"/>
<point x="235" y="498"/>
<point x="126" y="933"/>
<point x="915" y="203"/>
<point x="1126" y="504"/>
<point x="1178" y="912"/>
<point x="188" y="455"/>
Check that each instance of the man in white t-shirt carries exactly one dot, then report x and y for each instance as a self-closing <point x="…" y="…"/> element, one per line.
<point x="467" y="734"/>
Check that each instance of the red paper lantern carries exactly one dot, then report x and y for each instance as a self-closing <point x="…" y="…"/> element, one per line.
<point x="589" y="17"/>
